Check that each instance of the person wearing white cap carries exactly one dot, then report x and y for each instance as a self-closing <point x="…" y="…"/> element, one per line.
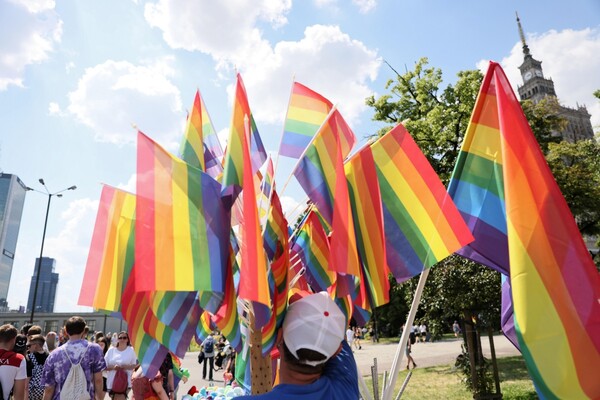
<point x="316" y="361"/>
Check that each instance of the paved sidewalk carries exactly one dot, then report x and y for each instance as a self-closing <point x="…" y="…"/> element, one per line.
<point x="425" y="354"/>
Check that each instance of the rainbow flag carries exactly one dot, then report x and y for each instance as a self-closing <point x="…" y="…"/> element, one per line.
<point x="368" y="220"/>
<point x="226" y="317"/>
<point x="306" y="112"/>
<point x="205" y="327"/>
<point x="310" y="247"/>
<point x="343" y="255"/>
<point x="275" y="235"/>
<point x="253" y="286"/>
<point x="182" y="227"/>
<point x="555" y="285"/>
<point x="233" y="159"/>
<point x="149" y="351"/>
<point x="422" y="224"/>
<point x="110" y="258"/>
<point x="316" y="169"/>
<point x="200" y="146"/>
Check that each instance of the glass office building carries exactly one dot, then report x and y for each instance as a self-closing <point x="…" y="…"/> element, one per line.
<point x="46" y="293"/>
<point x="12" y="198"/>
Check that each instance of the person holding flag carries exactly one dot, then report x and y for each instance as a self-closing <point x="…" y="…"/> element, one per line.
<point x="316" y="361"/>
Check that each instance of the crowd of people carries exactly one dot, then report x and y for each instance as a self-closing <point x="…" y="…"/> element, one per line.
<point x="76" y="364"/>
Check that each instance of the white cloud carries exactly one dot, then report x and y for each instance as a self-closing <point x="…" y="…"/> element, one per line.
<point x="325" y="59"/>
<point x="216" y="28"/>
<point x="28" y="32"/>
<point x="36" y="6"/>
<point x="112" y="96"/>
<point x="364" y="6"/>
<point x="571" y="58"/>
<point x="54" y="109"/>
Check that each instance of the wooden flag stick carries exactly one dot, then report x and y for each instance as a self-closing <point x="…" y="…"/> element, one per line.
<point x="260" y="366"/>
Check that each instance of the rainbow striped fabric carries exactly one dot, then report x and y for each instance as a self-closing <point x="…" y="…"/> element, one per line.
<point x="200" y="146"/>
<point x="422" y="224"/>
<point x="316" y="169"/>
<point x="275" y="237"/>
<point x="307" y="110"/>
<point x="343" y="255"/>
<point x="182" y="229"/>
<point x="226" y="317"/>
<point x="111" y="254"/>
<point x="368" y="221"/>
<point x="233" y="159"/>
<point x="253" y="286"/>
<point x="310" y="247"/>
<point x="555" y="285"/>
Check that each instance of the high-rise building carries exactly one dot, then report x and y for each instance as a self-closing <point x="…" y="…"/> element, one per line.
<point x="536" y="87"/>
<point x="12" y="198"/>
<point x="46" y="292"/>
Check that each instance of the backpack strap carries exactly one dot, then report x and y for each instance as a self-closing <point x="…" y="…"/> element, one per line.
<point x="87" y="346"/>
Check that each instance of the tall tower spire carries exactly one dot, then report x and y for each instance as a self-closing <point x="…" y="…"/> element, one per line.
<point x="522" y="36"/>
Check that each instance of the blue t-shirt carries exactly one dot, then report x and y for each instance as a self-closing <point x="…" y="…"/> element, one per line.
<point x="339" y="381"/>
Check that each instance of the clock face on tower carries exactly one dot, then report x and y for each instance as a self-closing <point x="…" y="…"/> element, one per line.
<point x="527" y="75"/>
<point x="538" y="73"/>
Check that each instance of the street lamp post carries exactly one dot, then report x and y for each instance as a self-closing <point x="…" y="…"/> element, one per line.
<point x="39" y="264"/>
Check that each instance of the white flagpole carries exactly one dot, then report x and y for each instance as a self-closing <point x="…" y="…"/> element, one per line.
<point x="389" y="390"/>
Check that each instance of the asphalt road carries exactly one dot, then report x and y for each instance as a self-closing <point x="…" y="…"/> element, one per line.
<point x="425" y="355"/>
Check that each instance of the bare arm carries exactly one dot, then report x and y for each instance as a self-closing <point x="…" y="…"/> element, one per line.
<point x="48" y="393"/>
<point x="171" y="384"/>
<point x="98" y="389"/>
<point x="160" y="391"/>
<point x="19" y="389"/>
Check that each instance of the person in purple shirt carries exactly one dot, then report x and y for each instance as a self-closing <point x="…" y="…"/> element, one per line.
<point x="78" y="350"/>
<point x="316" y="361"/>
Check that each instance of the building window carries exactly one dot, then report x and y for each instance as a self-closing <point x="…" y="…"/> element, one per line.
<point x="92" y="325"/>
<point x="51" y="326"/>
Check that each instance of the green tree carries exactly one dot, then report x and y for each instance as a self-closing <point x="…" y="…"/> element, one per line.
<point x="597" y="94"/>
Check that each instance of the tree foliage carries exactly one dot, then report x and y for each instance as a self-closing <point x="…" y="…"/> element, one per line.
<point x="437" y="118"/>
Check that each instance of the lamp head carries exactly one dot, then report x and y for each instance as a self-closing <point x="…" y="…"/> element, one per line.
<point x="72" y="187"/>
<point x="41" y="181"/>
<point x="59" y="195"/>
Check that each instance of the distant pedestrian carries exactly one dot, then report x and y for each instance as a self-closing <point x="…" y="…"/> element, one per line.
<point x="456" y="328"/>
<point x="35" y="366"/>
<point x="208" y="348"/>
<point x="409" y="358"/>
<point x="13" y="368"/>
<point x="423" y="331"/>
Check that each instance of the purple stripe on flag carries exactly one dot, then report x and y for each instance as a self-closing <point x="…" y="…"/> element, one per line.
<point x="489" y="241"/>
<point x="403" y="261"/>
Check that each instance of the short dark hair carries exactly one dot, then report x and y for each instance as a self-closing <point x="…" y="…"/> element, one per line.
<point x="25" y="328"/>
<point x="39" y="339"/>
<point x="7" y="333"/>
<point x="34" y="330"/>
<point x="75" y="326"/>
<point x="305" y="355"/>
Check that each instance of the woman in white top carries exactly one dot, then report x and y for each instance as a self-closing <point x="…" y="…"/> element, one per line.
<point x="120" y="357"/>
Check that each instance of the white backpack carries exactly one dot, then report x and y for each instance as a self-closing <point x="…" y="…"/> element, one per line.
<point x="75" y="386"/>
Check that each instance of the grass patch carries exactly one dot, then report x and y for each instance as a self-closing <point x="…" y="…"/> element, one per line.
<point x="444" y="382"/>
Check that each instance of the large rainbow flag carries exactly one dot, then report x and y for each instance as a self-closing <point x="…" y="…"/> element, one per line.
<point x="555" y="285"/>
<point x="253" y="285"/>
<point x="111" y="254"/>
<point x="422" y="224"/>
<point x="306" y="112"/>
<point x="368" y="221"/>
<point x="316" y="169"/>
<point x="182" y="227"/>
<point x="233" y="159"/>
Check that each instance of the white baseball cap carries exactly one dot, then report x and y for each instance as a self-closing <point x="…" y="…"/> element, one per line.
<point x="316" y="323"/>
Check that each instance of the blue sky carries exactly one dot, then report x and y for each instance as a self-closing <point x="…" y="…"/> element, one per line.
<point x="75" y="76"/>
